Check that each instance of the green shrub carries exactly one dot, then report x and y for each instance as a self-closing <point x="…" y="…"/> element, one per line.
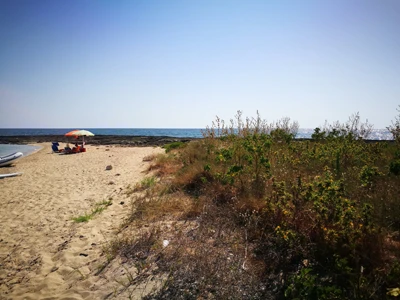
<point x="394" y="167"/>
<point x="318" y="135"/>
<point x="395" y="127"/>
<point x="309" y="285"/>
<point x="174" y="145"/>
<point x="368" y="175"/>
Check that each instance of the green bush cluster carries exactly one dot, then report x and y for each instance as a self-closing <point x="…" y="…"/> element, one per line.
<point x="319" y="201"/>
<point x="307" y="219"/>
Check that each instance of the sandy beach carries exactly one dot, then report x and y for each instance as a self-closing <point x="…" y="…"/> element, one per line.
<point x="44" y="254"/>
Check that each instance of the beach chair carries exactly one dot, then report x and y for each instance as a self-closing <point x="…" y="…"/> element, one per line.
<point x="54" y="147"/>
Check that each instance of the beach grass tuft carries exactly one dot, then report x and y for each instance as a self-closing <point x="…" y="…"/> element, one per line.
<point x="98" y="208"/>
<point x="83" y="218"/>
<point x="174" y="145"/>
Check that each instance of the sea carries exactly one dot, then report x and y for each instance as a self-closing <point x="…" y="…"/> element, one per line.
<point x="377" y="134"/>
<point x="25" y="149"/>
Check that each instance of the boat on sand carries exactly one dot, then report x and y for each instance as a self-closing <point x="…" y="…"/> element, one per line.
<point x="9" y="159"/>
<point x="9" y="175"/>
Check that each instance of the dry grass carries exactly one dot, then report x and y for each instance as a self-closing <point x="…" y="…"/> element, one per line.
<point x="166" y="207"/>
<point x="164" y="165"/>
<point x="262" y="217"/>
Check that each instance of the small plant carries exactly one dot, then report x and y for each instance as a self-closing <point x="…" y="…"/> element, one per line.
<point x="145" y="184"/>
<point x="395" y="127"/>
<point x="98" y="208"/>
<point x="105" y="203"/>
<point x="368" y="174"/>
<point x="83" y="218"/>
<point x="394" y="167"/>
<point x="308" y="285"/>
<point x="279" y="135"/>
<point x="148" y="182"/>
<point x="79" y="272"/>
<point x="174" y="145"/>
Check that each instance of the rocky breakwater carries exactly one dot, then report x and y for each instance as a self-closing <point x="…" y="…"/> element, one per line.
<point x="95" y="140"/>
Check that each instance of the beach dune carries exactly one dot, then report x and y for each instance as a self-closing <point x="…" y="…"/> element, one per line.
<point x="44" y="254"/>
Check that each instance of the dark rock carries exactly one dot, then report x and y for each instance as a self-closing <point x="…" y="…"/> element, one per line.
<point x="53" y="269"/>
<point x="129" y="141"/>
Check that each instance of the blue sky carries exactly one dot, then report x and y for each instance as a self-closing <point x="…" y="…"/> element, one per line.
<point x="178" y="64"/>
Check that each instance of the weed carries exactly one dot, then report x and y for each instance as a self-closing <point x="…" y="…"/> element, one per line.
<point x="98" y="208"/>
<point x="148" y="182"/>
<point x="394" y="167"/>
<point x="394" y="128"/>
<point x="174" y="145"/>
<point x="83" y="218"/>
<point x="82" y="276"/>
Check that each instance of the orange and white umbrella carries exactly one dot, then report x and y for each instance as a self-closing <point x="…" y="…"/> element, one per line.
<point x="81" y="133"/>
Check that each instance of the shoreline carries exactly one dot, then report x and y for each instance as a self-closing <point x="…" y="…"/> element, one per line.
<point x="26" y="149"/>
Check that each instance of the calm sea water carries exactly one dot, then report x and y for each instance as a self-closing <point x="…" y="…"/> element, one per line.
<point x="25" y="149"/>
<point x="377" y="134"/>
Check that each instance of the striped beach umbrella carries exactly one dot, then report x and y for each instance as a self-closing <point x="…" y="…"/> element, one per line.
<point x="80" y="132"/>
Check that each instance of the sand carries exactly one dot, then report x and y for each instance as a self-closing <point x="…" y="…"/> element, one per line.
<point x="43" y="253"/>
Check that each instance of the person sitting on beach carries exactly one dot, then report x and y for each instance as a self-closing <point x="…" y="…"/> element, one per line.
<point x="67" y="149"/>
<point x="76" y="149"/>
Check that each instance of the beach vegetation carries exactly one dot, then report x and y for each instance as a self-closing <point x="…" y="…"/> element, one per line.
<point x="83" y="218"/>
<point x="79" y="272"/>
<point x="250" y="212"/>
<point x="97" y="209"/>
<point x="394" y="128"/>
<point x="174" y="145"/>
<point x="149" y="157"/>
<point x="145" y="184"/>
<point x="148" y="182"/>
<point x="394" y="167"/>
